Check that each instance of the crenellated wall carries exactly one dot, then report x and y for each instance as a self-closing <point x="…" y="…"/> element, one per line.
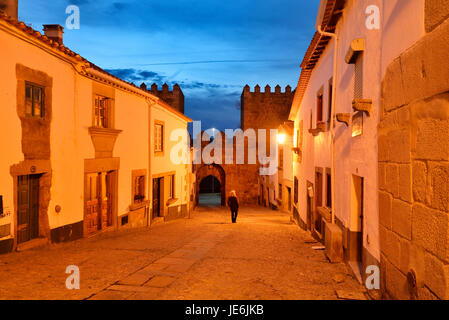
<point x="265" y="110"/>
<point x="174" y="98"/>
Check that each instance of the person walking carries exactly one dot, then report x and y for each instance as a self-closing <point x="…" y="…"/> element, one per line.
<point x="233" y="204"/>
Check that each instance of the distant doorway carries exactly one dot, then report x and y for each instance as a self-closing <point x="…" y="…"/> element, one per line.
<point x="210" y="184"/>
<point x="210" y="192"/>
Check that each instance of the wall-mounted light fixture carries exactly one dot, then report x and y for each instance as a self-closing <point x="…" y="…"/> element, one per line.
<point x="281" y="138"/>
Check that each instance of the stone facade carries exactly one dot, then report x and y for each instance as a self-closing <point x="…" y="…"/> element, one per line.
<point x="259" y="110"/>
<point x="265" y="110"/>
<point x="243" y="178"/>
<point x="413" y="166"/>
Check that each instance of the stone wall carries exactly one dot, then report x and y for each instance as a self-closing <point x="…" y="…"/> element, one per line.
<point x="265" y="110"/>
<point x="259" y="110"/>
<point x="243" y="178"/>
<point x="174" y="98"/>
<point x="414" y="166"/>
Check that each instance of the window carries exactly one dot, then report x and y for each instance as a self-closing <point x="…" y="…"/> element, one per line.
<point x="159" y="137"/>
<point x="329" y="112"/>
<point x="102" y="112"/>
<point x="295" y="190"/>
<point x="34" y="100"/>
<point x="171" y="186"/>
<point x="328" y="189"/>
<point x="280" y="192"/>
<point x="358" y="78"/>
<point x="139" y="189"/>
<point x="319" y="108"/>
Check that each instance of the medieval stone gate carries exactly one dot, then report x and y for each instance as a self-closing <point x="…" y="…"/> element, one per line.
<point x="216" y="171"/>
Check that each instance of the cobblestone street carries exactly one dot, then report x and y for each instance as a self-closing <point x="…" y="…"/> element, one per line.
<point x="263" y="256"/>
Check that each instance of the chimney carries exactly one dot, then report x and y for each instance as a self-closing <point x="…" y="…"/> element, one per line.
<point x="10" y="7"/>
<point x="54" y="32"/>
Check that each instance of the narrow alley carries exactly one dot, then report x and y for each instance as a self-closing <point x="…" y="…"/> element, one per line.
<point x="263" y="256"/>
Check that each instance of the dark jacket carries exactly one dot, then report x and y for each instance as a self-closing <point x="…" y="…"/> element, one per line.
<point x="233" y="203"/>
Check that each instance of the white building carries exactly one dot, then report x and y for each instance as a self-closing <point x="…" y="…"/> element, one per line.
<point x="341" y="74"/>
<point x="81" y="149"/>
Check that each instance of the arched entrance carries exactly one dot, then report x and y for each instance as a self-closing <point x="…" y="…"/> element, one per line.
<point x="210" y="191"/>
<point x="211" y="179"/>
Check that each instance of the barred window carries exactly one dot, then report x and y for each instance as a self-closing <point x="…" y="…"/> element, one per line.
<point x="158" y="137"/>
<point x="139" y="189"/>
<point x="358" y="78"/>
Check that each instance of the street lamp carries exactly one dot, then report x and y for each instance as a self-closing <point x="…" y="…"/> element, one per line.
<point x="281" y="138"/>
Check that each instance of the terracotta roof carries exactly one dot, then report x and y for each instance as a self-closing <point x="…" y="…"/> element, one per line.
<point x="65" y="50"/>
<point x="332" y="13"/>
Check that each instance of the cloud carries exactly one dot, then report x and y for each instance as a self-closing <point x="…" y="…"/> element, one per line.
<point x="134" y="75"/>
<point x="214" y="61"/>
<point x="78" y="2"/>
<point x="216" y="105"/>
<point x="210" y="48"/>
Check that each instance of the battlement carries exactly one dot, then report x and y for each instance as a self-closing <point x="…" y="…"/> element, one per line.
<point x="265" y="110"/>
<point x="174" y="98"/>
<point x="277" y="90"/>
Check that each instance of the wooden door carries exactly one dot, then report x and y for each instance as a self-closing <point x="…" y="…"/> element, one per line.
<point x="318" y="200"/>
<point x="309" y="212"/>
<point x="92" y="210"/>
<point x="27" y="208"/>
<point x="357" y="214"/>
<point x="109" y="196"/>
<point x="156" y="197"/>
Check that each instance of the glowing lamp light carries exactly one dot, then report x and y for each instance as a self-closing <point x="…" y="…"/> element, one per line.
<point x="281" y="138"/>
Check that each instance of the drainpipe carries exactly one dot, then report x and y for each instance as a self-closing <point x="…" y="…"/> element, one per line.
<point x="332" y="133"/>
<point x="150" y="173"/>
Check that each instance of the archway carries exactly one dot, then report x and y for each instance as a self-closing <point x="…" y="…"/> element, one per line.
<point x="211" y="179"/>
<point x="210" y="191"/>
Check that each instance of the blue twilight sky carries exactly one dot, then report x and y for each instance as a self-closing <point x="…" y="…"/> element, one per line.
<point x="211" y="48"/>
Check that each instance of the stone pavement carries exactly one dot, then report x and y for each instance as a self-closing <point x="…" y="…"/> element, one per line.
<point x="263" y="256"/>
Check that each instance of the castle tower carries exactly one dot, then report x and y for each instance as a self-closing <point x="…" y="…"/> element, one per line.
<point x="174" y="98"/>
<point x="265" y="110"/>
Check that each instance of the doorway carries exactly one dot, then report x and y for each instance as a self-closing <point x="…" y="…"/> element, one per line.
<point x="157" y="207"/>
<point x="309" y="200"/>
<point x="210" y="192"/>
<point x="357" y="193"/>
<point x="27" y="208"/>
<point x="318" y="201"/>
<point x="99" y="201"/>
